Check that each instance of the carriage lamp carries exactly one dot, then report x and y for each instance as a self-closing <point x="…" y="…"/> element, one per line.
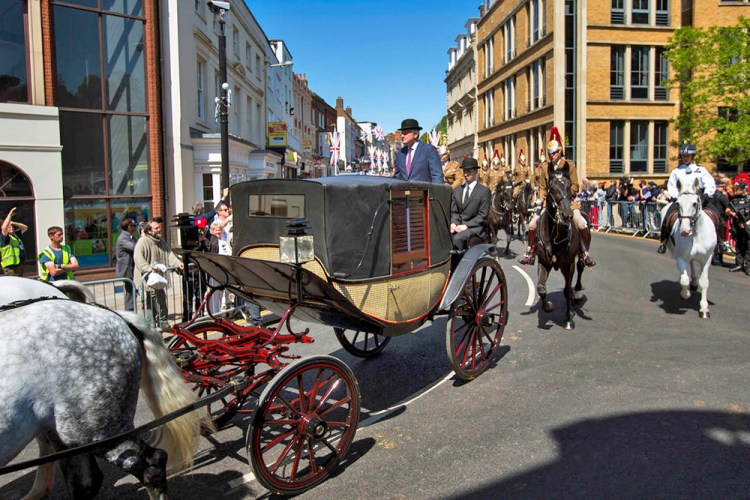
<point x="297" y="246"/>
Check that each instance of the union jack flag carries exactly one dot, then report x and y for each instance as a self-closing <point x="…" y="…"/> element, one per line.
<point x="378" y="132"/>
<point x="334" y="138"/>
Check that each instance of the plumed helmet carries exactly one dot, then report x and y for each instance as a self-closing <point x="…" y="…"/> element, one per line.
<point x="687" y="149"/>
<point x="443" y="150"/>
<point x="496" y="158"/>
<point x="521" y="157"/>
<point x="555" y="141"/>
<point x="484" y="162"/>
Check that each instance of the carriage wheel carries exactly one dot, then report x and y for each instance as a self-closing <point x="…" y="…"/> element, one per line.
<point x="361" y="344"/>
<point x="478" y="318"/>
<point x="221" y="411"/>
<point x="306" y="419"/>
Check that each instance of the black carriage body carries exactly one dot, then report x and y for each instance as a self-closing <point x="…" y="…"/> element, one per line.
<point x="382" y="249"/>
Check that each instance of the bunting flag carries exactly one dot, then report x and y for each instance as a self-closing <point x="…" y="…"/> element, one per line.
<point x="378" y="132"/>
<point x="371" y="150"/>
<point x="435" y="138"/>
<point x="334" y="138"/>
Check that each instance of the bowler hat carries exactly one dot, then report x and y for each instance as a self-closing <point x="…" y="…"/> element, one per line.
<point x="410" y="124"/>
<point x="469" y="163"/>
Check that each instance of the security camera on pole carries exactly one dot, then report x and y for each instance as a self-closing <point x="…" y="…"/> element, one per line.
<point x="223" y="101"/>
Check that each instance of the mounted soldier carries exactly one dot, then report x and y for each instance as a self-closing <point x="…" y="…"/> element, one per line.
<point x="521" y="175"/>
<point x="498" y="171"/>
<point x="687" y="168"/>
<point x="452" y="172"/>
<point x="558" y="165"/>
<point x="483" y="176"/>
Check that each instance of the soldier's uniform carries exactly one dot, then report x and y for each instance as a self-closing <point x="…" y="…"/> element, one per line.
<point x="453" y="174"/>
<point x="484" y="177"/>
<point x="741" y="206"/>
<point x="520" y="176"/>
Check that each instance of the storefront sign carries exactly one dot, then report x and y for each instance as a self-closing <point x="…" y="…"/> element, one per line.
<point x="307" y="145"/>
<point x="277" y="134"/>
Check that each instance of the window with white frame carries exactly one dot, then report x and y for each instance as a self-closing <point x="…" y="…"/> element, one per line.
<point x="509" y="98"/>
<point x="489" y="108"/>
<point x="617" y="14"/>
<point x="661" y="75"/>
<point x="258" y="123"/>
<point x="616" y="147"/>
<point x="489" y="58"/>
<point x="536" y="20"/>
<point x="617" y="73"/>
<point x="257" y="66"/>
<point x="235" y="41"/>
<point x="236" y="105"/>
<point x="662" y="12"/>
<point x="638" y="146"/>
<point x="248" y="56"/>
<point x="640" y="13"/>
<point x="201" y="89"/>
<point x="200" y="7"/>
<point x="660" y="146"/>
<point x="536" y="83"/>
<point x="639" y="72"/>
<point x="509" y="34"/>
<point x="249" y="109"/>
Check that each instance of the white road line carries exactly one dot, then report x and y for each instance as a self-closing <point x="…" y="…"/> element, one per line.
<point x="530" y="283"/>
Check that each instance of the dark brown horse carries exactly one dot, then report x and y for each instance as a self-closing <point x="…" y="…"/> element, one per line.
<point x="521" y="206"/>
<point x="558" y="245"/>
<point x="501" y="213"/>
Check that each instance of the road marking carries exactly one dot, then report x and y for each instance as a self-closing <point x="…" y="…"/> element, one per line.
<point x="530" y="283"/>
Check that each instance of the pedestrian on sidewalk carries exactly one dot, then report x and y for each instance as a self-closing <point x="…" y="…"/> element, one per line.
<point x="12" y="251"/>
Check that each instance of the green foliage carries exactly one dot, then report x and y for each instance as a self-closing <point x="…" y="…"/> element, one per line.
<point x="712" y="74"/>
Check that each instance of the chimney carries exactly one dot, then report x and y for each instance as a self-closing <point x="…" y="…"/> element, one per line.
<point x="349" y="110"/>
<point x="340" y="104"/>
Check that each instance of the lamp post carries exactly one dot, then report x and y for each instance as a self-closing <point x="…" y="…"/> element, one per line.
<point x="221" y="9"/>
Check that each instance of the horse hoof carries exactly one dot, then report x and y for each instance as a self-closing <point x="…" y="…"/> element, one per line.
<point x="569" y="325"/>
<point x="548" y="307"/>
<point x="705" y="315"/>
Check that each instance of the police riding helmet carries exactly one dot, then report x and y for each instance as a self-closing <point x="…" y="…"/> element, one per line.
<point x="687" y="149"/>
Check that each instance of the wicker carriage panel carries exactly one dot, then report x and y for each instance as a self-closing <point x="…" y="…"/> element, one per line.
<point x="271" y="253"/>
<point x="398" y="299"/>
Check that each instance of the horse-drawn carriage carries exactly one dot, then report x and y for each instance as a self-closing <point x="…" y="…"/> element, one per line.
<point x="373" y="260"/>
<point x="370" y="257"/>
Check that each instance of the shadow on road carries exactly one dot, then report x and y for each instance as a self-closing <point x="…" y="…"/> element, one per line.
<point x="668" y="293"/>
<point x="667" y="454"/>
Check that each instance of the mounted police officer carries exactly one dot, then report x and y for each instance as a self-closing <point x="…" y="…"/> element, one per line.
<point x="687" y="169"/>
<point x="740" y="210"/>
<point x="557" y="164"/>
<point x="12" y="251"/>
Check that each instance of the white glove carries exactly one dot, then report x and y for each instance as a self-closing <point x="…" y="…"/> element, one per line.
<point x="159" y="267"/>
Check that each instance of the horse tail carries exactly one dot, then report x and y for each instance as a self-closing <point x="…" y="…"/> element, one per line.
<point x="74" y="290"/>
<point x="165" y="391"/>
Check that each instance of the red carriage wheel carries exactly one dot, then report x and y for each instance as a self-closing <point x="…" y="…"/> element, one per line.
<point x="477" y="320"/>
<point x="306" y="420"/>
<point x="361" y="344"/>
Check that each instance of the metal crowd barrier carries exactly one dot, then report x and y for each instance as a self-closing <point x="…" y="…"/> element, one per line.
<point x="111" y="293"/>
<point x="630" y="217"/>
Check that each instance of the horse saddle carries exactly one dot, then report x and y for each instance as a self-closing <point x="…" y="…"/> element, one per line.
<point x="712" y="214"/>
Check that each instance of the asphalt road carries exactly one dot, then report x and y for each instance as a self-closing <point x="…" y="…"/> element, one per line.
<point x="641" y="399"/>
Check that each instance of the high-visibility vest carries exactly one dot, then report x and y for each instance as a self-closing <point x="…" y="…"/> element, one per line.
<point x="11" y="253"/>
<point x="51" y="255"/>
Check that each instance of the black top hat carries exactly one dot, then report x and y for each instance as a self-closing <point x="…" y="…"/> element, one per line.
<point x="468" y="163"/>
<point x="410" y="124"/>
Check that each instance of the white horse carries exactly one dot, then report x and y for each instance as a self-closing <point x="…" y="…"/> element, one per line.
<point x="72" y="374"/>
<point x="13" y="288"/>
<point x="692" y="243"/>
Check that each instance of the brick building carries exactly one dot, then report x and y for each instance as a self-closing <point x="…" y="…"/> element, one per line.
<point x="594" y="70"/>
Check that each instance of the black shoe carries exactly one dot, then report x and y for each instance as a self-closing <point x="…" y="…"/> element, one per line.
<point x="662" y="248"/>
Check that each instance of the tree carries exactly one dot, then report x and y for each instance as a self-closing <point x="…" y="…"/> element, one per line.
<point x="712" y="74"/>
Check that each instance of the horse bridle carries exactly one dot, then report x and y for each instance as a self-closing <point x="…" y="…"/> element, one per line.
<point x="556" y="219"/>
<point x="692" y="218"/>
<point x="508" y="207"/>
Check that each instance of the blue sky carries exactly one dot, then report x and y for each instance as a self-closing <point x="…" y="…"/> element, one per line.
<point x="386" y="59"/>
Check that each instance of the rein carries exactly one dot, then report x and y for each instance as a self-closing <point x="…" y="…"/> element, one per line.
<point x="25" y="302"/>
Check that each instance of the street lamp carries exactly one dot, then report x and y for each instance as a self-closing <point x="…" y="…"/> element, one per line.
<point x="221" y="9"/>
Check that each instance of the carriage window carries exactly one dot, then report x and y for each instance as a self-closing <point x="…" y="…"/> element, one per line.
<point x="409" y="228"/>
<point x="277" y="205"/>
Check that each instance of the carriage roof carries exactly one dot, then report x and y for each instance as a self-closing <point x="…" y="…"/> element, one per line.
<point x="361" y="224"/>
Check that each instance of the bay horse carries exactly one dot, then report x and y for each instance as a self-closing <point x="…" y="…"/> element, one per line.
<point x="501" y="213"/>
<point x="558" y="245"/>
<point x="692" y="241"/>
<point x="72" y="375"/>
<point x="522" y="205"/>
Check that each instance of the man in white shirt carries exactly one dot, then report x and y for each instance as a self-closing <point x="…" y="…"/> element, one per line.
<point x="686" y="172"/>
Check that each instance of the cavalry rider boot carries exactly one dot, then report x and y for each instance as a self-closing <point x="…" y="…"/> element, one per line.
<point x="663" y="239"/>
<point x="584" y="235"/>
<point x="530" y="256"/>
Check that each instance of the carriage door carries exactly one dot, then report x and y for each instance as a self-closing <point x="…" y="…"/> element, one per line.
<point x="16" y="191"/>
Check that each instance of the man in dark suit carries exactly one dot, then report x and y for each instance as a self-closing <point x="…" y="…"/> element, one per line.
<point x="470" y="205"/>
<point x="416" y="161"/>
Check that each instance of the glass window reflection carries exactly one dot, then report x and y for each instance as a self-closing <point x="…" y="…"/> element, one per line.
<point x="82" y="154"/>
<point x="128" y="155"/>
<point x="13" y="77"/>
<point x="77" y="58"/>
<point x="86" y="231"/>
<point x="123" y="52"/>
<point x="131" y="7"/>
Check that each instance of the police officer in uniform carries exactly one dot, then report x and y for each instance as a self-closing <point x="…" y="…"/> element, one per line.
<point x="740" y="210"/>
<point x="558" y="163"/>
<point x="687" y="170"/>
